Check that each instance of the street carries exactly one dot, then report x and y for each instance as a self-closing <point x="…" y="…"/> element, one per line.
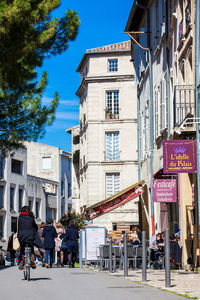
<point x="82" y="284"/>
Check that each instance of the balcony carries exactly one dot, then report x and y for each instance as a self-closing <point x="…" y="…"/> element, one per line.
<point x="184" y="103"/>
<point x="111" y="116"/>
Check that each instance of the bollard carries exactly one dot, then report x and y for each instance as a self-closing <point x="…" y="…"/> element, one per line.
<point x="167" y="259"/>
<point x="110" y="254"/>
<point x="125" y="256"/>
<point x="144" y="257"/>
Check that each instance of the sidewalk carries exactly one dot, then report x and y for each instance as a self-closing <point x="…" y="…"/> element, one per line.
<point x="183" y="283"/>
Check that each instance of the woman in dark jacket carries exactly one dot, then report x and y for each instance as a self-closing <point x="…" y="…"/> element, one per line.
<point x="27" y="234"/>
<point x="49" y="234"/>
<point x="71" y="236"/>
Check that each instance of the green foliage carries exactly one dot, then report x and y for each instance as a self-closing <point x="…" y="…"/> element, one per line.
<point x="28" y="35"/>
<point x="77" y="218"/>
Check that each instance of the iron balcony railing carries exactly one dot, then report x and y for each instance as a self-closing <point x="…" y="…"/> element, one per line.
<point x="184" y="103"/>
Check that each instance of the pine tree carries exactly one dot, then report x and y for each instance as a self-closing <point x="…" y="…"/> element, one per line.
<point x="28" y="35"/>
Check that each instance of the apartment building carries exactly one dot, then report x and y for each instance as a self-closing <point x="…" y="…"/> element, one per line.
<point x="107" y="136"/>
<point x="163" y="42"/>
<point x="38" y="176"/>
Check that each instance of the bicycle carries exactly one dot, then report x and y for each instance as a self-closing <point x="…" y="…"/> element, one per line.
<point x="27" y="263"/>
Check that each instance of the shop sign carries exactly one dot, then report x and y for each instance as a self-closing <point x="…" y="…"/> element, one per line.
<point x="164" y="190"/>
<point x="179" y="156"/>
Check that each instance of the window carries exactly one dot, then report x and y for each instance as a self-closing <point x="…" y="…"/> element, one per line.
<point x="20" y="198"/>
<point x="12" y="195"/>
<point x="30" y="203"/>
<point x="69" y="190"/>
<point x="112" y="65"/>
<point x="1" y="196"/>
<point x="13" y="224"/>
<point x="37" y="208"/>
<point x="156" y="113"/>
<point x="17" y="166"/>
<point x="62" y="188"/>
<point x="112" y="104"/>
<point x="69" y="207"/>
<point x="112" y="146"/>
<point x="112" y="184"/>
<point x="145" y="130"/>
<point x="162" y="106"/>
<point x="1" y="227"/>
<point x="46" y="163"/>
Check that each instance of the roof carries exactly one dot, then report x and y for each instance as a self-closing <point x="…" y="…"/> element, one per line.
<point x="118" y="47"/>
<point x="136" y="15"/>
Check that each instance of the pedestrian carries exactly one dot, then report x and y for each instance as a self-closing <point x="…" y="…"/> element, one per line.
<point x="10" y="249"/>
<point x="41" y="250"/>
<point x="58" y="243"/>
<point x="49" y="234"/>
<point x="71" y="237"/>
<point x="27" y="235"/>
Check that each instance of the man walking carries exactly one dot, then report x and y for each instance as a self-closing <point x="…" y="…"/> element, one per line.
<point x="49" y="234"/>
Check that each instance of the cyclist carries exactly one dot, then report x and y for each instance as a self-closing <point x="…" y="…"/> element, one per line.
<point x="27" y="235"/>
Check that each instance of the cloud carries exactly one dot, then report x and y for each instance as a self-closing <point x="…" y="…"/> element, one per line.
<point x="61" y="125"/>
<point x="67" y="116"/>
<point x="72" y="102"/>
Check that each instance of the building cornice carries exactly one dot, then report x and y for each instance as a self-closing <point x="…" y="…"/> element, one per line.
<point x="100" y="79"/>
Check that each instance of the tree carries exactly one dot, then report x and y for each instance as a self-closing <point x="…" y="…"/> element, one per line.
<point x="77" y="218"/>
<point x="28" y="35"/>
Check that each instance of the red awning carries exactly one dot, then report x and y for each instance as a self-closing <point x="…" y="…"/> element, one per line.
<point x="114" y="201"/>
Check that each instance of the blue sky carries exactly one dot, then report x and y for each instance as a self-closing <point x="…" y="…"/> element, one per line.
<point x="102" y="23"/>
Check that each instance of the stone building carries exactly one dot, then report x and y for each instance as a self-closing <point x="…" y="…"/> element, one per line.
<point x="38" y="176"/>
<point x="107" y="135"/>
<point x="163" y="49"/>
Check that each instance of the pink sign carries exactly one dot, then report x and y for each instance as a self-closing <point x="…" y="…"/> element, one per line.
<point x="164" y="190"/>
<point x="179" y="156"/>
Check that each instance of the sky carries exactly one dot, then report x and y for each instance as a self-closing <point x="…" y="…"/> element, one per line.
<point x="102" y="23"/>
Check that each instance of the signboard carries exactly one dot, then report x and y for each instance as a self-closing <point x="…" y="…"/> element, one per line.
<point x="164" y="190"/>
<point x="179" y="156"/>
<point x="114" y="201"/>
<point x="95" y="236"/>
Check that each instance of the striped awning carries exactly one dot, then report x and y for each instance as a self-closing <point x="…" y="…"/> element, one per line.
<point x="114" y="201"/>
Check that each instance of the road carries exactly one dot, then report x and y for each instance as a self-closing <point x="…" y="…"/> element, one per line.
<point x="75" y="284"/>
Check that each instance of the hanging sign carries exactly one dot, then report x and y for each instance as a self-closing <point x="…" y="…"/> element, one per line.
<point x="164" y="190"/>
<point x="179" y="156"/>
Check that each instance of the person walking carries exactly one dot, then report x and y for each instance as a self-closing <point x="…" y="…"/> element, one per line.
<point x="58" y="243"/>
<point x="71" y="237"/>
<point x="10" y="249"/>
<point x="41" y="250"/>
<point x="27" y="235"/>
<point x="49" y="234"/>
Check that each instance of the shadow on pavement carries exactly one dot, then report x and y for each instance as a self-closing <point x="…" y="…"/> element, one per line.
<point x="40" y="278"/>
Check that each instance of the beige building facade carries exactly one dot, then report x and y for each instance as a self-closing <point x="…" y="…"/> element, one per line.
<point x="164" y="61"/>
<point x="108" y="131"/>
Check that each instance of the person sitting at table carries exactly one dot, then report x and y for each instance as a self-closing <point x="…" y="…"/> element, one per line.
<point x="175" y="252"/>
<point x="157" y="248"/>
<point x="133" y="236"/>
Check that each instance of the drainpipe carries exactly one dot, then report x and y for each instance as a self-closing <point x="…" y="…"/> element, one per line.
<point x="167" y="76"/>
<point x="197" y="106"/>
<point x="138" y="133"/>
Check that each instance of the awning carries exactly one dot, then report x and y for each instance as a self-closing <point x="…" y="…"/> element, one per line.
<point x="114" y="201"/>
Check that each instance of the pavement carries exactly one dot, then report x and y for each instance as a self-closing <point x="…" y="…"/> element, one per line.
<point x="185" y="283"/>
<point x="75" y="284"/>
